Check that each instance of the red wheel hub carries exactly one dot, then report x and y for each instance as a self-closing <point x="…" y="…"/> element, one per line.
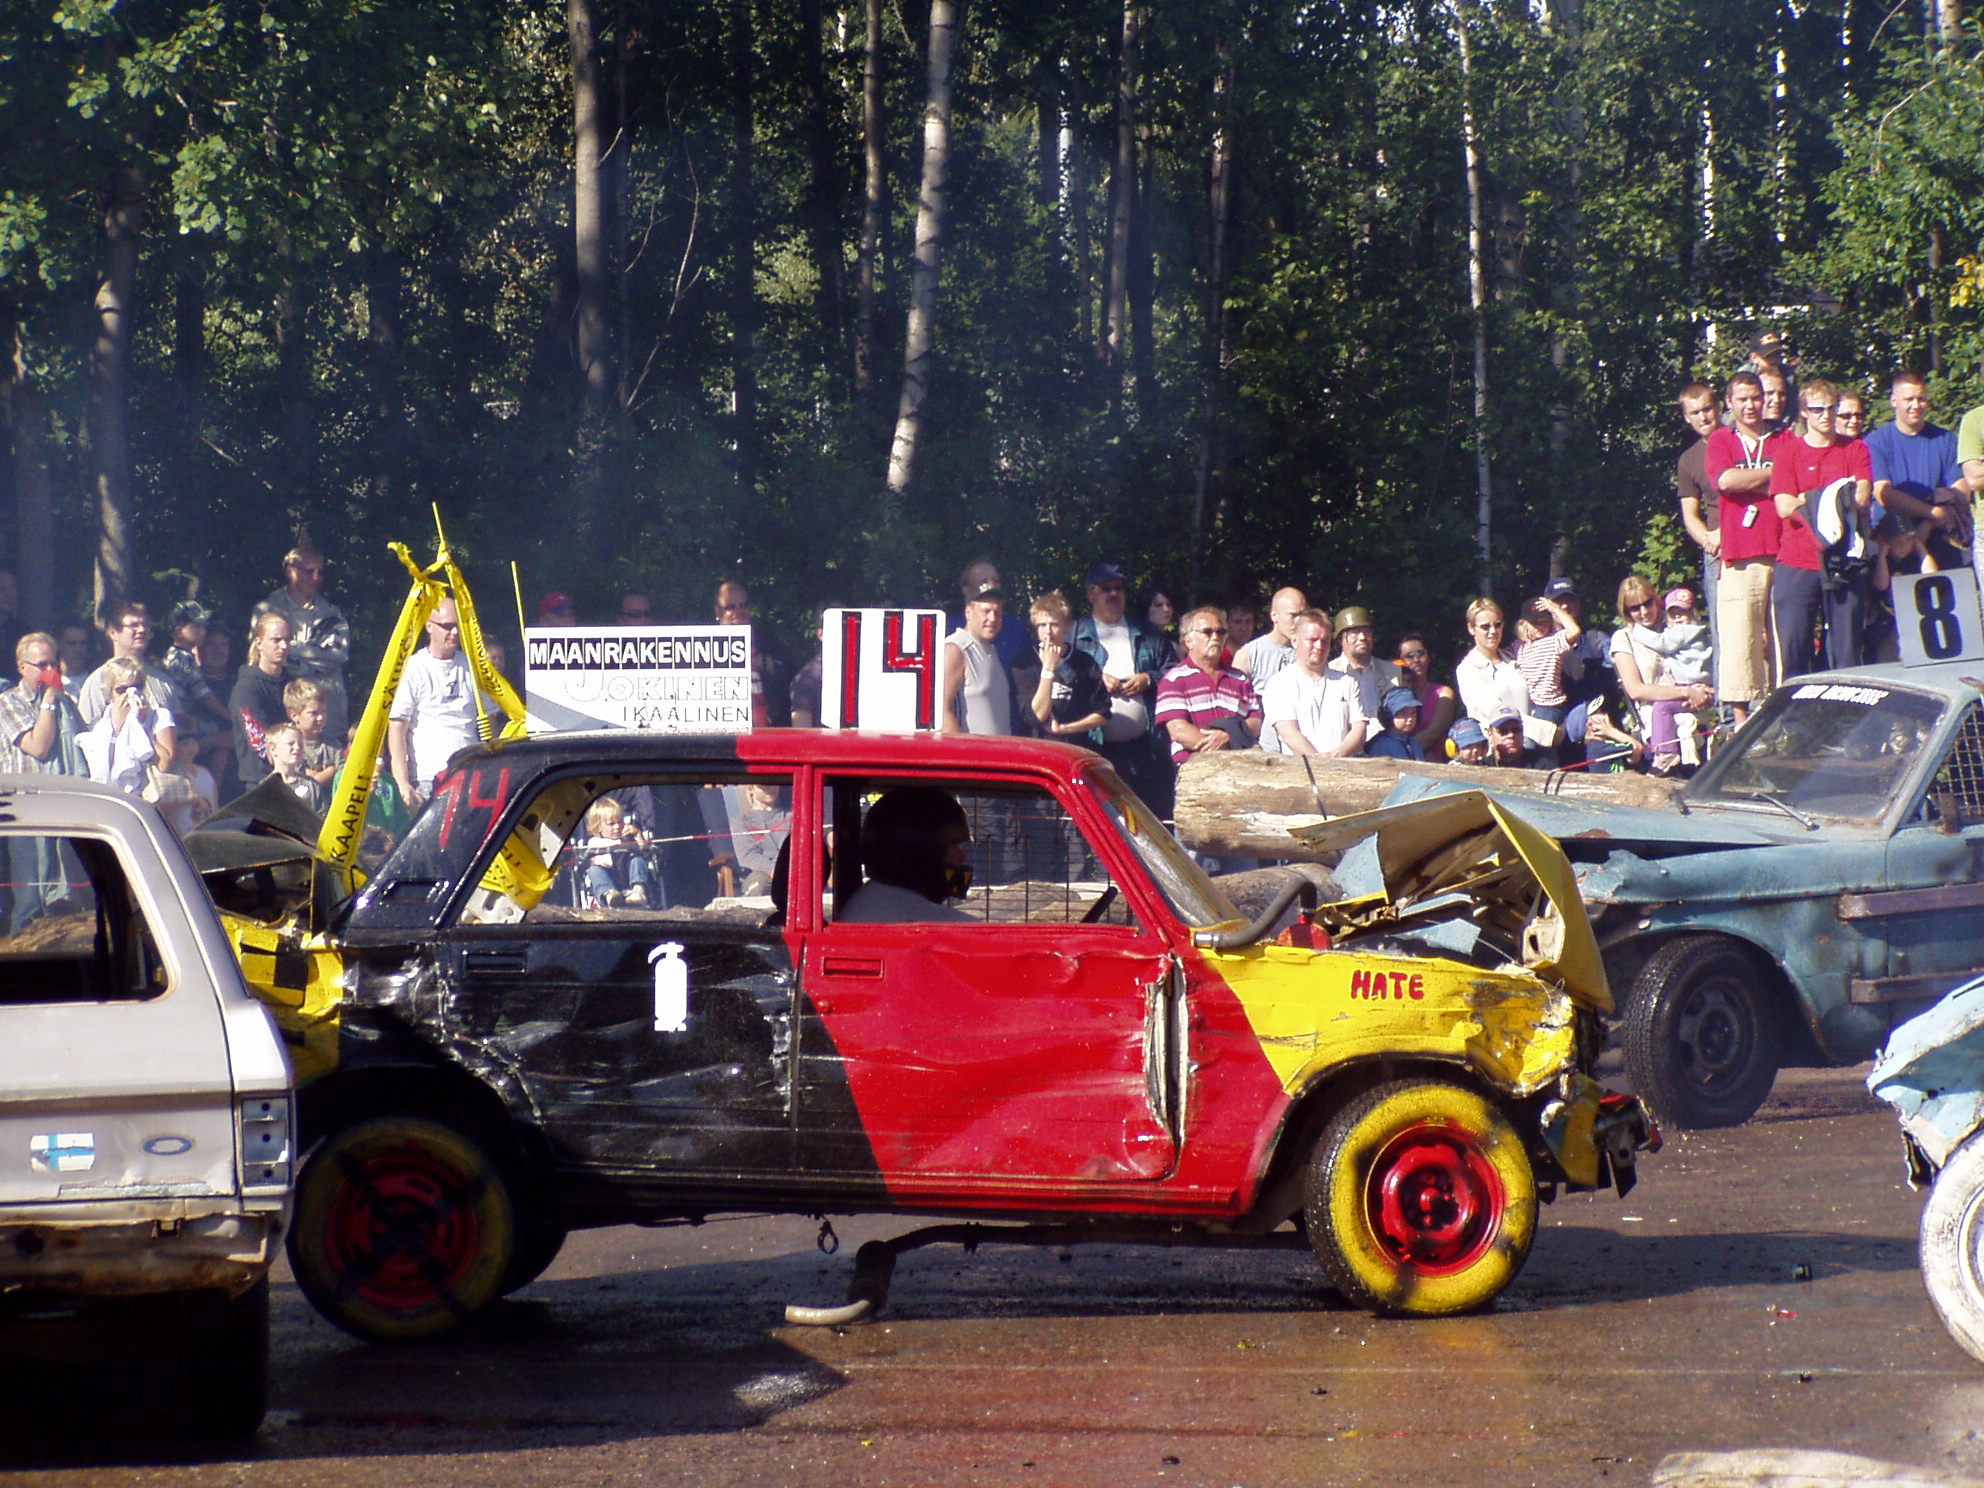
<point x="402" y="1230"/>
<point x="1436" y="1201"/>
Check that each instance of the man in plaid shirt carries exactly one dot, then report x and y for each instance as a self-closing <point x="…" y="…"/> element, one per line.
<point x="1201" y="704"/>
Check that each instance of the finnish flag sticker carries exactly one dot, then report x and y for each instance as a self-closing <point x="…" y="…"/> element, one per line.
<point x="62" y="1152"/>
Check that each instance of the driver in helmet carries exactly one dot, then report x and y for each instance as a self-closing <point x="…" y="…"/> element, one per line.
<point x="912" y="851"/>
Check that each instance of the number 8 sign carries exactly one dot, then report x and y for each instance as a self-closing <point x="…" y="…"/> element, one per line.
<point x="879" y="669"/>
<point x="1938" y="617"/>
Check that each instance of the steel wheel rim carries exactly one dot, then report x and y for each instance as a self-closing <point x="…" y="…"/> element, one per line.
<point x="1435" y="1201"/>
<point x="402" y="1230"/>
<point x="1715" y="1034"/>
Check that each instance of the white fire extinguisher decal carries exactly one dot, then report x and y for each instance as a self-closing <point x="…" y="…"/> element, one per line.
<point x="671" y="988"/>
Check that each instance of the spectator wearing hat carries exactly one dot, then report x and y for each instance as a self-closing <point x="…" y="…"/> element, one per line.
<point x="1133" y="654"/>
<point x="1356" y="641"/>
<point x="1267" y="654"/>
<point x="1469" y="741"/>
<point x="771" y="678"/>
<point x="557" y="609"/>
<point x="1014" y="636"/>
<point x="202" y="714"/>
<point x="319" y="634"/>
<point x="1508" y="749"/>
<point x="1684" y="642"/>
<point x="1398" y="723"/>
<point x="1309" y="706"/>
<point x="1202" y="703"/>
<point x="978" y="691"/>
<point x="1588" y="675"/>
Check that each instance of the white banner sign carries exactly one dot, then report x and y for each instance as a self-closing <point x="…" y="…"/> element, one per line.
<point x="1938" y="618"/>
<point x="880" y="669"/>
<point x="686" y="679"/>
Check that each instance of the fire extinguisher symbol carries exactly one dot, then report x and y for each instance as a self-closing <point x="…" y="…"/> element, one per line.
<point x="671" y="988"/>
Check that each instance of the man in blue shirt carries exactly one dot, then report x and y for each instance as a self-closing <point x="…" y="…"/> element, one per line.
<point x="1913" y="459"/>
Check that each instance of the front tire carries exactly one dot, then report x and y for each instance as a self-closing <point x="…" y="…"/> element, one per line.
<point x="405" y="1228"/>
<point x="1953" y="1246"/>
<point x="1421" y="1201"/>
<point x="1701" y="1037"/>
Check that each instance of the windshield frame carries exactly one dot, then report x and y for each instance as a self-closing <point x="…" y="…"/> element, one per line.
<point x="1193" y="899"/>
<point x="1903" y="787"/>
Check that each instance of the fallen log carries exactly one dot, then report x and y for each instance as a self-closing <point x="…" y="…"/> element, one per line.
<point x="1243" y="802"/>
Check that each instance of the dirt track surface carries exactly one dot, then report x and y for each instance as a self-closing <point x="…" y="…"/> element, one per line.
<point x="1674" y="1321"/>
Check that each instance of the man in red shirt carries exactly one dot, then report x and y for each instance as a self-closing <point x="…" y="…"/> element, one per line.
<point x="1805" y="458"/>
<point x="1738" y="467"/>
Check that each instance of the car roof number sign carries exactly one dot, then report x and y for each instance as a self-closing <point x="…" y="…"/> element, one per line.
<point x="1938" y="617"/>
<point x="879" y="669"/>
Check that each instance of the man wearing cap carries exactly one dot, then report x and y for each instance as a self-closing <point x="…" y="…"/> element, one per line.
<point x="1014" y="636"/>
<point x="319" y="634"/>
<point x="1507" y="748"/>
<point x="1267" y="654"/>
<point x="978" y="691"/>
<point x="1588" y="676"/>
<point x="1356" y="641"/>
<point x="1201" y="704"/>
<point x="1133" y="654"/>
<point x="557" y="609"/>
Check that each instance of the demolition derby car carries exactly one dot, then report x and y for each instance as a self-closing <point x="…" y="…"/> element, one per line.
<point x="622" y="977"/>
<point x="1820" y="881"/>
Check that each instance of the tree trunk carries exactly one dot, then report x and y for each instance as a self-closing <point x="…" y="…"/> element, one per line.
<point x="1477" y="296"/>
<point x="386" y="439"/>
<point x="874" y="199"/>
<point x="1078" y="188"/>
<point x="823" y="193"/>
<point x="296" y="419"/>
<point x="23" y="426"/>
<point x="1218" y="215"/>
<point x="1142" y="278"/>
<point x="1243" y="802"/>
<point x="189" y="351"/>
<point x="110" y="368"/>
<point x="1122" y="192"/>
<point x="744" y="245"/>
<point x="1949" y="21"/>
<point x="599" y="371"/>
<point x="919" y="341"/>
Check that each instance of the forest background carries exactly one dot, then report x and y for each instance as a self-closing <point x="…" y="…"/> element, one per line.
<point x="650" y="293"/>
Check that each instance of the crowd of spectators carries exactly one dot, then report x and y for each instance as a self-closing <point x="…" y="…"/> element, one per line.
<point x="1803" y="518"/>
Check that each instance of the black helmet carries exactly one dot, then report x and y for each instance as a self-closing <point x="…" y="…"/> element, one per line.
<point x="906" y="838"/>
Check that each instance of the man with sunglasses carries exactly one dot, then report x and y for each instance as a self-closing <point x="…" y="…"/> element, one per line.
<point x="1201" y="703"/>
<point x="1810" y="459"/>
<point x="434" y="713"/>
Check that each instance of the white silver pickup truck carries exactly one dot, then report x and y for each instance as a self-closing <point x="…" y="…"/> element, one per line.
<point x="145" y="1099"/>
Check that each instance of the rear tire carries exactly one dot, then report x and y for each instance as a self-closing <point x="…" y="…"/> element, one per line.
<point x="1421" y="1200"/>
<point x="1953" y="1246"/>
<point x="217" y="1367"/>
<point x="405" y="1228"/>
<point x="1701" y="1036"/>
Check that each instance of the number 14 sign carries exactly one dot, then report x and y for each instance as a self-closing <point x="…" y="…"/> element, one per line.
<point x="879" y="669"/>
<point x="1938" y="617"/>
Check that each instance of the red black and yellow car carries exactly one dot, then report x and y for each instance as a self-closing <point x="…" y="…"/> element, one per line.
<point x="538" y="1016"/>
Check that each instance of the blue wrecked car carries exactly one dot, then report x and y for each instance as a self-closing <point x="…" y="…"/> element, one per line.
<point x="1818" y="883"/>
<point x="1932" y="1073"/>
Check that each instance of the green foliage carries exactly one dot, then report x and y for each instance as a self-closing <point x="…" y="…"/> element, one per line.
<point x="356" y="285"/>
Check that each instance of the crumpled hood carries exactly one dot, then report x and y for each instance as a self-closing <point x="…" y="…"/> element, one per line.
<point x="1467" y="843"/>
<point x="1627" y="826"/>
<point x="1932" y="1072"/>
